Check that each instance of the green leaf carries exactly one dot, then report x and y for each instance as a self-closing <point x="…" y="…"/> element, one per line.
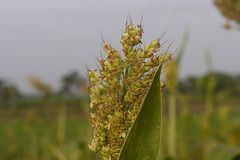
<point x="143" y="139"/>
<point x="224" y="152"/>
<point x="183" y="45"/>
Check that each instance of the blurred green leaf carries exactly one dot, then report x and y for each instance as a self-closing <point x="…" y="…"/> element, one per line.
<point x="183" y="46"/>
<point x="224" y="152"/>
<point x="143" y="140"/>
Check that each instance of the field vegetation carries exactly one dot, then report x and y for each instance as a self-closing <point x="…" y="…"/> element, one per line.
<point x="57" y="127"/>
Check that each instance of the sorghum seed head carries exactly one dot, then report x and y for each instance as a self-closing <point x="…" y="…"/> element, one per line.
<point x="118" y="92"/>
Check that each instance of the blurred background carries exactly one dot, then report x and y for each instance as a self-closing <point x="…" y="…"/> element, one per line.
<point x="45" y="46"/>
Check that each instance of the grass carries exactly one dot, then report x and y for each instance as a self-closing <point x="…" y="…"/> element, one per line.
<point x="26" y="139"/>
<point x="35" y="137"/>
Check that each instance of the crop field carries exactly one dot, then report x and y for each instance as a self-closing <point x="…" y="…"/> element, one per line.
<point x="62" y="132"/>
<point x="49" y="132"/>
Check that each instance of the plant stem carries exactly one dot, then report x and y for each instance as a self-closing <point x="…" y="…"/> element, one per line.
<point x="172" y="125"/>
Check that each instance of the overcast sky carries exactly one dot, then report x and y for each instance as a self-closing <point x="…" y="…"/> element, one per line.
<point x="49" y="38"/>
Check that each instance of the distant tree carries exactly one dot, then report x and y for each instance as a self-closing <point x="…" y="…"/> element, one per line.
<point x="73" y="84"/>
<point x="224" y="84"/>
<point x="8" y="91"/>
<point x="2" y="88"/>
<point x="188" y="85"/>
<point x="237" y="79"/>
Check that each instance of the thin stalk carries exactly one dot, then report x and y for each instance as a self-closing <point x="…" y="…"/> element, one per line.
<point x="172" y="125"/>
<point x="61" y="124"/>
<point x="172" y="71"/>
<point x="209" y="103"/>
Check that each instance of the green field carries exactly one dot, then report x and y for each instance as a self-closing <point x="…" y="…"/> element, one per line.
<point x="40" y="131"/>
<point x="44" y="132"/>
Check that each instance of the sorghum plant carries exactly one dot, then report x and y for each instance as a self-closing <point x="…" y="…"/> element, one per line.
<point x="172" y="71"/>
<point x="230" y="9"/>
<point x="118" y="89"/>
